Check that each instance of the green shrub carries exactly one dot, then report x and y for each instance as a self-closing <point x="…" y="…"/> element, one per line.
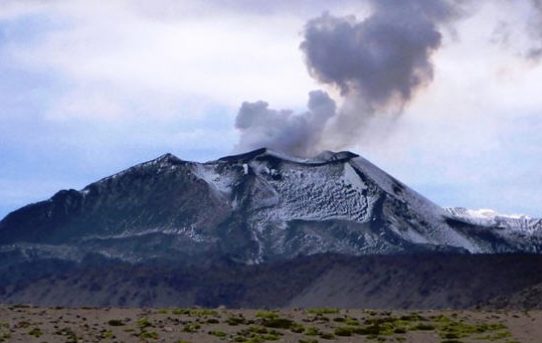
<point x="277" y="323"/>
<point x="327" y="335"/>
<point x="256" y="333"/>
<point x="218" y="333"/>
<point x="191" y="327"/>
<point x="351" y="321"/>
<point x="115" y="322"/>
<point x="399" y="330"/>
<point x="71" y="337"/>
<point x="267" y="314"/>
<point x="143" y="323"/>
<point x="323" y="310"/>
<point x="312" y="331"/>
<point x="412" y="317"/>
<point x="371" y="330"/>
<point x="308" y="340"/>
<point x="180" y="311"/>
<point x="4" y="332"/>
<point x="203" y="312"/>
<point x="36" y="332"/>
<point x="148" y="334"/>
<point x="343" y="331"/>
<point x="106" y="334"/>
<point x="234" y="321"/>
<point x="297" y="328"/>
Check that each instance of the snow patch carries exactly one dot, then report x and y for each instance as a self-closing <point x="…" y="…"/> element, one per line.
<point x="485" y="213"/>
<point x="220" y="182"/>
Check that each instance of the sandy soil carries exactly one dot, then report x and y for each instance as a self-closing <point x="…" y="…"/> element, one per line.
<point x="34" y="324"/>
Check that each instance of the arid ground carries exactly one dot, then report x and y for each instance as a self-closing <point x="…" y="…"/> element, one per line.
<point x="38" y="324"/>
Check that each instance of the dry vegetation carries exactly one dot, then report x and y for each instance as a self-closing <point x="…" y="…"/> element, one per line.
<point x="196" y="325"/>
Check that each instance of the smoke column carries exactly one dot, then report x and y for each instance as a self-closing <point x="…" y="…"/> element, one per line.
<point x="378" y="65"/>
<point x="297" y="134"/>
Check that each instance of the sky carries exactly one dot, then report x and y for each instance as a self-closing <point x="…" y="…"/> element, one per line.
<point x="89" y="88"/>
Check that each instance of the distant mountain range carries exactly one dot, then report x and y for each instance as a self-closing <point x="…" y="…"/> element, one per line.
<point x="254" y="209"/>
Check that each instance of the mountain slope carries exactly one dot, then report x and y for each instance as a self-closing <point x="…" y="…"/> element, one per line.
<point x="411" y="281"/>
<point x="250" y="208"/>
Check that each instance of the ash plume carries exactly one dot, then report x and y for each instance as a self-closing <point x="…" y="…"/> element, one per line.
<point x="283" y="130"/>
<point x="385" y="58"/>
<point x="378" y="64"/>
<point x="535" y="32"/>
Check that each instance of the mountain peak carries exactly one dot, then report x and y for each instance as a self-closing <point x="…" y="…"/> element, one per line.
<point x="246" y="156"/>
<point x="167" y="157"/>
<point x="330" y="156"/>
<point x="162" y="161"/>
<point x="323" y="157"/>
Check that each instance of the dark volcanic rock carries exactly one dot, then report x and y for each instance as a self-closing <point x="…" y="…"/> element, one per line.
<point x="170" y="231"/>
<point x="251" y="208"/>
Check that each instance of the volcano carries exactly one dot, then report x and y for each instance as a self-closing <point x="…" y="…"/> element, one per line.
<point x="243" y="212"/>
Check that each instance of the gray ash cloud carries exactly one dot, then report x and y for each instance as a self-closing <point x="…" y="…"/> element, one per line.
<point x="378" y="64"/>
<point x="535" y="31"/>
<point x="283" y="130"/>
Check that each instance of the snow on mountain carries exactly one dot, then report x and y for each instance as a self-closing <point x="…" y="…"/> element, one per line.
<point x="252" y="208"/>
<point x="514" y="224"/>
<point x="484" y="213"/>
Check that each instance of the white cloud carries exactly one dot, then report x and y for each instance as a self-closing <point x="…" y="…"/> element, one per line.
<point x="117" y="54"/>
<point x="146" y="77"/>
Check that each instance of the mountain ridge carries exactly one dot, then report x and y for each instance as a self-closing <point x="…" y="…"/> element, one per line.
<point x="411" y="281"/>
<point x="253" y="207"/>
<point x="263" y="229"/>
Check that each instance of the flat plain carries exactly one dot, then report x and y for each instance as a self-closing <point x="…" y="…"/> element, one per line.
<point x="198" y="325"/>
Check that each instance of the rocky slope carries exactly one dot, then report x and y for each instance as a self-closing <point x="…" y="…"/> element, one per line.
<point x="264" y="229"/>
<point x="412" y="281"/>
<point x="251" y="208"/>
